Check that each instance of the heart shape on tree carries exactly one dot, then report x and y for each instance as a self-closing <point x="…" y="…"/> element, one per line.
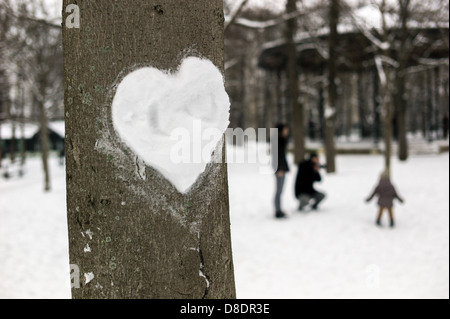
<point x="173" y="121"/>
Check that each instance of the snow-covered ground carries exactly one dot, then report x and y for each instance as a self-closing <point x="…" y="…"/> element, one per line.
<point x="33" y="235"/>
<point x="336" y="252"/>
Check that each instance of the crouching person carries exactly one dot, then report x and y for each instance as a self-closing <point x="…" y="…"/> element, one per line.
<point x="308" y="174"/>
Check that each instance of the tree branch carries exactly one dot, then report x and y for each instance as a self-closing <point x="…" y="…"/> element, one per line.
<point x="35" y="20"/>
<point x="231" y="19"/>
<point x="251" y="24"/>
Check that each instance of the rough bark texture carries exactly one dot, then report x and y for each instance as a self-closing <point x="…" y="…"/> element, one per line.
<point x="130" y="231"/>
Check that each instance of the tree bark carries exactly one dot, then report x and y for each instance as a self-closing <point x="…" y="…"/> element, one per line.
<point x="297" y="123"/>
<point x="131" y="233"/>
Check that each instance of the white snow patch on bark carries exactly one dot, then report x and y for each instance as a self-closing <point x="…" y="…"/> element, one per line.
<point x="89" y="233"/>
<point x="87" y="249"/>
<point x="160" y="115"/>
<point x="88" y="277"/>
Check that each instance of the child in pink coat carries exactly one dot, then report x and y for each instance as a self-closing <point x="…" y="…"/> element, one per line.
<point x="386" y="194"/>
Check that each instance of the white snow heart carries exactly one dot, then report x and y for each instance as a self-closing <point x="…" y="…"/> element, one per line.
<point x="173" y="121"/>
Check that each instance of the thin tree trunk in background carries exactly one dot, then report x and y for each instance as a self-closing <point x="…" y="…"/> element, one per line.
<point x="429" y="105"/>
<point x="131" y="233"/>
<point x="321" y="107"/>
<point x="437" y="110"/>
<point x="13" y="143"/>
<point x="4" y="27"/>
<point x="444" y="104"/>
<point x="421" y="96"/>
<point x="4" y="88"/>
<point x="387" y="127"/>
<point x="331" y="108"/>
<point x="1" y="143"/>
<point x="385" y="79"/>
<point x="376" y="108"/>
<point x="387" y="114"/>
<point x="279" y="86"/>
<point x="297" y="123"/>
<point x="44" y="142"/>
<point x="400" y="81"/>
<point x="23" y="141"/>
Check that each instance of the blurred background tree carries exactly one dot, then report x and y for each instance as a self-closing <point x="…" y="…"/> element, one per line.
<point x="32" y="78"/>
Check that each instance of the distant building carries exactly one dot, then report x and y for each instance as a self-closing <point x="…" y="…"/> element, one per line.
<point x="28" y="135"/>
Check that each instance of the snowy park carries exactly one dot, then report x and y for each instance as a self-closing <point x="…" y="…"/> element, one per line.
<point x="116" y="118"/>
<point x="335" y="252"/>
<point x="338" y="252"/>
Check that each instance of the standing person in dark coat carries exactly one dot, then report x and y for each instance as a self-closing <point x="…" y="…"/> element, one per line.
<point x="308" y="174"/>
<point x="281" y="166"/>
<point x="386" y="194"/>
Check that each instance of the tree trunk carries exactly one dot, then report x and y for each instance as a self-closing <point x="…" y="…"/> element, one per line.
<point x="444" y="105"/>
<point x="387" y="118"/>
<point x="279" y="86"/>
<point x="429" y="106"/>
<point x="331" y="108"/>
<point x="385" y="79"/>
<point x="131" y="233"/>
<point x="387" y="125"/>
<point x="23" y="142"/>
<point x="44" y="139"/>
<point x="321" y="107"/>
<point x="400" y="81"/>
<point x="13" y="142"/>
<point x="376" y="109"/>
<point x="401" y="108"/>
<point x="298" y="127"/>
<point x="437" y="109"/>
<point x="1" y="144"/>
<point x="4" y="91"/>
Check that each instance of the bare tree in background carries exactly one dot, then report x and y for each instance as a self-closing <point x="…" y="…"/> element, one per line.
<point x="297" y="121"/>
<point x="384" y="72"/>
<point x="33" y="56"/>
<point x="4" y="85"/>
<point x="331" y="107"/>
<point x="404" y="53"/>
